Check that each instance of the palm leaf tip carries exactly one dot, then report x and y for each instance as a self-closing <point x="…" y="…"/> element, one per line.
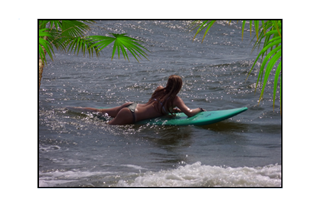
<point x="123" y="43"/>
<point x="209" y="26"/>
<point x="201" y="27"/>
<point x="243" y="25"/>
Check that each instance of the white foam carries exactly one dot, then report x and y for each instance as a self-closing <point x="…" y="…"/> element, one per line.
<point x="51" y="179"/>
<point x="48" y="148"/>
<point x="197" y="175"/>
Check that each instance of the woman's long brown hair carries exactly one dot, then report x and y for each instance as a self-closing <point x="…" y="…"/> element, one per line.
<point x="166" y="95"/>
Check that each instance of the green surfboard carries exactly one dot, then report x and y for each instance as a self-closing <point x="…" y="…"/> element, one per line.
<point x="202" y="118"/>
<point x="180" y="119"/>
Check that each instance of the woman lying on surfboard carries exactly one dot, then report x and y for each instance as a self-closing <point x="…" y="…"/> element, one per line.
<point x="162" y="102"/>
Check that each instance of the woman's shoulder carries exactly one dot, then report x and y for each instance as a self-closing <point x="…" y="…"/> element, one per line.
<point x="159" y="87"/>
<point x="177" y="99"/>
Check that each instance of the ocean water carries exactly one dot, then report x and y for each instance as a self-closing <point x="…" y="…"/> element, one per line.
<point x="81" y="150"/>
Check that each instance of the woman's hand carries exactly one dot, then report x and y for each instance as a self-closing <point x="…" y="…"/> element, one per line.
<point x="176" y="110"/>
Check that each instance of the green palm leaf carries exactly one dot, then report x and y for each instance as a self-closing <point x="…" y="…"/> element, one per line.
<point x="64" y="31"/>
<point x="131" y="44"/>
<point x="271" y="63"/>
<point x="260" y="38"/>
<point x="263" y="51"/>
<point x="256" y="26"/>
<point x="55" y="39"/>
<point x="271" y="39"/>
<point x="70" y="36"/>
<point x="191" y="25"/>
<point x="201" y="27"/>
<point x="76" y="44"/>
<point x="45" y="24"/>
<point x="68" y="27"/>
<point x="280" y="91"/>
<point x="74" y="28"/>
<point x="265" y="61"/>
<point x="101" y="41"/>
<point x="243" y="25"/>
<point x="135" y="46"/>
<point x="275" y="39"/>
<point x="121" y="42"/>
<point x="44" y="45"/>
<point x="276" y="76"/>
<point x="277" y="27"/>
<point x="115" y="47"/>
<point x="270" y="34"/>
<point x="264" y="26"/>
<point x="209" y="26"/>
<point x="124" y="52"/>
<point x="264" y="35"/>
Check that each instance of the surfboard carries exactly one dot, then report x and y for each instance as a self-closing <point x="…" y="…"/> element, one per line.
<point x="180" y="119"/>
<point x="202" y="118"/>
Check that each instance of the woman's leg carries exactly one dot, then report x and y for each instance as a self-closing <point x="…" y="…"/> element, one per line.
<point x="111" y="111"/>
<point x="124" y="116"/>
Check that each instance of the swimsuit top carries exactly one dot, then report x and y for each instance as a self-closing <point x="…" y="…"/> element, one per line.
<point x="164" y="110"/>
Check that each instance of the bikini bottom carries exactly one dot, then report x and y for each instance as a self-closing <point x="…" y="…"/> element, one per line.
<point x="132" y="107"/>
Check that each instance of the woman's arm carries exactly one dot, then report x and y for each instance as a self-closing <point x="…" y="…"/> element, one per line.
<point x="189" y="112"/>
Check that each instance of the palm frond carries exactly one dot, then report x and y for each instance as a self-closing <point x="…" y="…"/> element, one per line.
<point x="209" y="26"/>
<point x="44" y="45"/>
<point x="269" y="32"/>
<point x="264" y="26"/>
<point x="121" y="42"/>
<point x="191" y="26"/>
<point x="280" y="91"/>
<point x="256" y="26"/>
<point x="276" y="76"/>
<point x="51" y="24"/>
<point x="261" y="37"/>
<point x="243" y="25"/>
<point x="277" y="27"/>
<point x="262" y="52"/>
<point x="201" y="27"/>
<point x="131" y="44"/>
<point x="271" y="63"/>
<point x="265" y="60"/>
<point x="74" y="28"/>
<point x="85" y="44"/>
<point x="101" y="41"/>
<point x="264" y="35"/>
<point x="59" y="42"/>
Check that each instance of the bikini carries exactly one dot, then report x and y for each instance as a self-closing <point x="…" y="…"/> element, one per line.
<point x="165" y="111"/>
<point x="132" y="107"/>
